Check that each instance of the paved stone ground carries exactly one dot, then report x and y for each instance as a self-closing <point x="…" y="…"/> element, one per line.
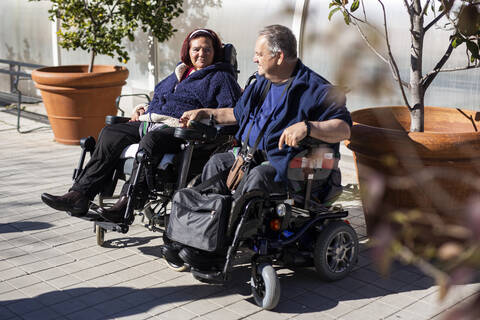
<point x="51" y="267"/>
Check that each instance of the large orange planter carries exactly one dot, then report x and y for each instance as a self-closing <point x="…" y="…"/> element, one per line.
<point x="77" y="101"/>
<point x="435" y="171"/>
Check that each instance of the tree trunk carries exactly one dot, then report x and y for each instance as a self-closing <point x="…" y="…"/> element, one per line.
<point x="416" y="52"/>
<point x="92" y="59"/>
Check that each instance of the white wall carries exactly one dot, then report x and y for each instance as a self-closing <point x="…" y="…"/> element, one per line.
<point x="332" y="49"/>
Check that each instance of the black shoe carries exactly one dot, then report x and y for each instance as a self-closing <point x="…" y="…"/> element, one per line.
<point x="74" y="202"/>
<point x="201" y="260"/>
<point x="116" y="212"/>
<point x="171" y="255"/>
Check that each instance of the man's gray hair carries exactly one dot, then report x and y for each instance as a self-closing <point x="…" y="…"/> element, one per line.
<point x="280" y="38"/>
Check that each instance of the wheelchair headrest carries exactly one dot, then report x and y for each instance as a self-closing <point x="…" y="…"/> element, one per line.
<point x="230" y="56"/>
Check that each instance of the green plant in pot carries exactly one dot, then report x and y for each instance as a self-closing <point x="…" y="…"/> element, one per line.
<point x="419" y="166"/>
<point x="78" y="97"/>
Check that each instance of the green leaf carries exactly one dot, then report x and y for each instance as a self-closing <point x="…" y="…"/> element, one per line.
<point x="333" y="12"/>
<point x="355" y="5"/>
<point x="457" y="40"/>
<point x="346" y="17"/>
<point x="473" y="48"/>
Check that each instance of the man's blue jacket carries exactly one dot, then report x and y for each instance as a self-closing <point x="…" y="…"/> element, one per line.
<point x="310" y="96"/>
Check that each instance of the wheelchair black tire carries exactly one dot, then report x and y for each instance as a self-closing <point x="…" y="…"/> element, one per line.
<point x="267" y="292"/>
<point x="336" y="251"/>
<point x="100" y="233"/>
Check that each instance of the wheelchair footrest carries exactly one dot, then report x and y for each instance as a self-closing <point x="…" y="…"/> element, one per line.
<point x="90" y="216"/>
<point x="111" y="226"/>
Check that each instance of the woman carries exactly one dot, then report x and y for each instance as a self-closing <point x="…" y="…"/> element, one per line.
<point x="201" y="80"/>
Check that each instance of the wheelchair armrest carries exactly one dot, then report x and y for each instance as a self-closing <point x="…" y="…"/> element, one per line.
<point x="188" y="134"/>
<point x="115" y="119"/>
<point x="197" y="131"/>
<point x="226" y="129"/>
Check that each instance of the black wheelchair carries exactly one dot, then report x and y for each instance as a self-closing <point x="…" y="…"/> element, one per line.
<point x="295" y="229"/>
<point x="175" y="171"/>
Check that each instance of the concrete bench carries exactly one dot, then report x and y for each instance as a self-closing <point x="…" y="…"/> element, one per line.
<point x="17" y="71"/>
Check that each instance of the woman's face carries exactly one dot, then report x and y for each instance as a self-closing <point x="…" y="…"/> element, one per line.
<point x="201" y="52"/>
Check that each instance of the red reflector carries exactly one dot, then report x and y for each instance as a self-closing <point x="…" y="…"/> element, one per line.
<point x="275" y="224"/>
<point x="346" y="221"/>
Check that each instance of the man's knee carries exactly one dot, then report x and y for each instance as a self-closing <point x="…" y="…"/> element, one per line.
<point x="217" y="163"/>
<point x="261" y="178"/>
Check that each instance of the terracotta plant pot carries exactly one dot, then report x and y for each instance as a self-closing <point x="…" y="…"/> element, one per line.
<point x="77" y="101"/>
<point x="436" y="171"/>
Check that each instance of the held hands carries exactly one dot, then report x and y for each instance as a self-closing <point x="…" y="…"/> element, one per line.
<point x="293" y="135"/>
<point x="139" y="110"/>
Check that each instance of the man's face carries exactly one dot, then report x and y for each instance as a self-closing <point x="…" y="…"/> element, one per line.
<point x="267" y="64"/>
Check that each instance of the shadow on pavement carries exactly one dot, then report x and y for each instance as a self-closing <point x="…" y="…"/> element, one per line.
<point x="20" y="226"/>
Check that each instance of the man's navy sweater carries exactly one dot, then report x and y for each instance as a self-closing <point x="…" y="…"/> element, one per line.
<point x="310" y="97"/>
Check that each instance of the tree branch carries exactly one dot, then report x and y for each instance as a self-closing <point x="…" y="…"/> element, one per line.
<point x="408" y="6"/>
<point x="434" y="21"/>
<point x="425" y="8"/>
<point x="392" y="59"/>
<point x="364" y="13"/>
<point x="428" y="78"/>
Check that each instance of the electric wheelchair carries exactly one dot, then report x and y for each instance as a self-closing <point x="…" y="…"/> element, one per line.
<point x="300" y="228"/>
<point x="173" y="172"/>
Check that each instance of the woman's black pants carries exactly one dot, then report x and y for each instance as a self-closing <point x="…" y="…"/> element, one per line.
<point x="106" y="156"/>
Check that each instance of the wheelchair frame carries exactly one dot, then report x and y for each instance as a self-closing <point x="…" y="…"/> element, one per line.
<point x="193" y="137"/>
<point x="337" y="243"/>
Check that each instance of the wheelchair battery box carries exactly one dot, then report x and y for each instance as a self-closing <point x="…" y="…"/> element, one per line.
<point x="199" y="220"/>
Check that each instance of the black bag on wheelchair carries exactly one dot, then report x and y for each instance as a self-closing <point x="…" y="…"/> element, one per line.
<point x="199" y="220"/>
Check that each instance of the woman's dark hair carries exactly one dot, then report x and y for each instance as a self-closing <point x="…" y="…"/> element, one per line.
<point x="197" y="33"/>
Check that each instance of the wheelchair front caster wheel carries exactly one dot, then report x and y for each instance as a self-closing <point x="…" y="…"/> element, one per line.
<point x="176" y="267"/>
<point x="266" y="287"/>
<point x="336" y="251"/>
<point x="100" y="235"/>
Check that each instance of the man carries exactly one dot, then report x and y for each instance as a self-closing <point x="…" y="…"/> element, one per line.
<point x="300" y="103"/>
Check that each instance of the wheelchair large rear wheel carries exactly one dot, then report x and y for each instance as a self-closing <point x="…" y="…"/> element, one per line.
<point x="336" y="251"/>
<point x="266" y="287"/>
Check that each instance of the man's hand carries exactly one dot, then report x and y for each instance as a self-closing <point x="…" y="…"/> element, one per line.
<point x="139" y="110"/>
<point x="293" y="135"/>
<point x="188" y="116"/>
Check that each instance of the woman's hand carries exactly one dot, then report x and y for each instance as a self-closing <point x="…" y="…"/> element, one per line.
<point x="139" y="110"/>
<point x="293" y="135"/>
<point x="190" y="115"/>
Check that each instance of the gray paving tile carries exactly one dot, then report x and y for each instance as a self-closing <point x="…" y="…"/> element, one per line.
<point x="64" y="281"/>
<point x="178" y="313"/>
<point x="60" y="251"/>
<point x="68" y="306"/>
<point x="42" y="314"/>
<point x="9" y="297"/>
<point x="90" y="314"/>
<point x="314" y="301"/>
<point x="24" y="306"/>
<point x="5" y="313"/>
<point x="201" y="307"/>
<point x="23" y="281"/>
